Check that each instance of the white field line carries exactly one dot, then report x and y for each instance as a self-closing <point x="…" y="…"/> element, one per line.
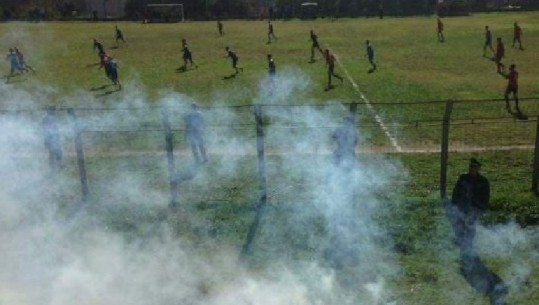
<point x="377" y="117"/>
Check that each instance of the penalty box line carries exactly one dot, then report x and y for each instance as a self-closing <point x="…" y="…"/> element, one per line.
<point x="377" y="117"/>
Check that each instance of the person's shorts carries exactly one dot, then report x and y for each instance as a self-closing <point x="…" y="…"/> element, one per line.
<point x="511" y="89"/>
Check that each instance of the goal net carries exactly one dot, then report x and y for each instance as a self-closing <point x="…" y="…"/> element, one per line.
<point x="165" y="12"/>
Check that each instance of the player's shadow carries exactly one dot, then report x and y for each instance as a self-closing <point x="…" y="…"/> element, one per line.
<point x="371" y="70"/>
<point x="92" y="65"/>
<point x="114" y="47"/>
<point x="182" y="69"/>
<point x="231" y="76"/>
<point x="482" y="279"/>
<point x="99" y="88"/>
<point x="330" y="87"/>
<point x="312" y="61"/>
<point x="109" y="92"/>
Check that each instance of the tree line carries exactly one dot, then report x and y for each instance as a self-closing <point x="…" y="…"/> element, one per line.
<point x="211" y="9"/>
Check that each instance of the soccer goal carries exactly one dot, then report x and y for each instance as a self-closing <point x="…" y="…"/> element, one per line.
<point x="164" y="12"/>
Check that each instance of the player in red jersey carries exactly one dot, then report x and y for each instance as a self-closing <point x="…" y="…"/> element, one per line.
<point x="512" y="87"/>
<point x="500" y="54"/>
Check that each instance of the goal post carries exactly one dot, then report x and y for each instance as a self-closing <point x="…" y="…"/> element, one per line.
<point x="164" y="12"/>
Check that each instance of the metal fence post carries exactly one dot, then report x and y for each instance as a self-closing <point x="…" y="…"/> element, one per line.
<point x="535" y="178"/>
<point x="80" y="154"/>
<point x="173" y="182"/>
<point x="444" y="154"/>
<point x="262" y="182"/>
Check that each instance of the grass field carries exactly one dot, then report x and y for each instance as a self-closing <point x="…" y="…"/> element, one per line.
<point x="403" y="239"/>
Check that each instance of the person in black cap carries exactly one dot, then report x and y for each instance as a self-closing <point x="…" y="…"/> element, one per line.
<point x="471" y="196"/>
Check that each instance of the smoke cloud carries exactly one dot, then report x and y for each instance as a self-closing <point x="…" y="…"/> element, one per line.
<point x="319" y="241"/>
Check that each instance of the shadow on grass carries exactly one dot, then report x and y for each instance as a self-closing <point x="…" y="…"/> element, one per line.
<point x="109" y="92"/>
<point x="231" y="76"/>
<point x="93" y="65"/>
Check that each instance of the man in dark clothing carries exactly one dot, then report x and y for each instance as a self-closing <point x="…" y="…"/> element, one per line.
<point x="52" y="139"/>
<point x="471" y="196"/>
<point x="194" y="128"/>
<point x="488" y="41"/>
<point x="346" y="138"/>
<point x="234" y="58"/>
<point x="370" y="55"/>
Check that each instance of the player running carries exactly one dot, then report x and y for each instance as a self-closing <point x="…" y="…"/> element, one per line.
<point x="271" y="33"/>
<point x="330" y="62"/>
<point x="119" y="35"/>
<point x="234" y="58"/>
<point x="187" y="55"/>
<point x="22" y="62"/>
<point x="99" y="47"/>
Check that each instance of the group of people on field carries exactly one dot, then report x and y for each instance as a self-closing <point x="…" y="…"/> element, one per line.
<point x="498" y="56"/>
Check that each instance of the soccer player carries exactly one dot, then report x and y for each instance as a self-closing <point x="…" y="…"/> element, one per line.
<point x="271" y="66"/>
<point x="187" y="55"/>
<point x="330" y="62"/>
<point x="500" y="54"/>
<point x="220" y="28"/>
<point x="441" y="37"/>
<point x="13" y="62"/>
<point x="271" y="33"/>
<point x="194" y="129"/>
<point x="370" y="55"/>
<point x="488" y="41"/>
<point x="315" y="45"/>
<point x="234" y="58"/>
<point x="119" y="35"/>
<point x="512" y="87"/>
<point x="99" y="47"/>
<point x="517" y="35"/>
<point x="22" y="63"/>
<point x="111" y="68"/>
